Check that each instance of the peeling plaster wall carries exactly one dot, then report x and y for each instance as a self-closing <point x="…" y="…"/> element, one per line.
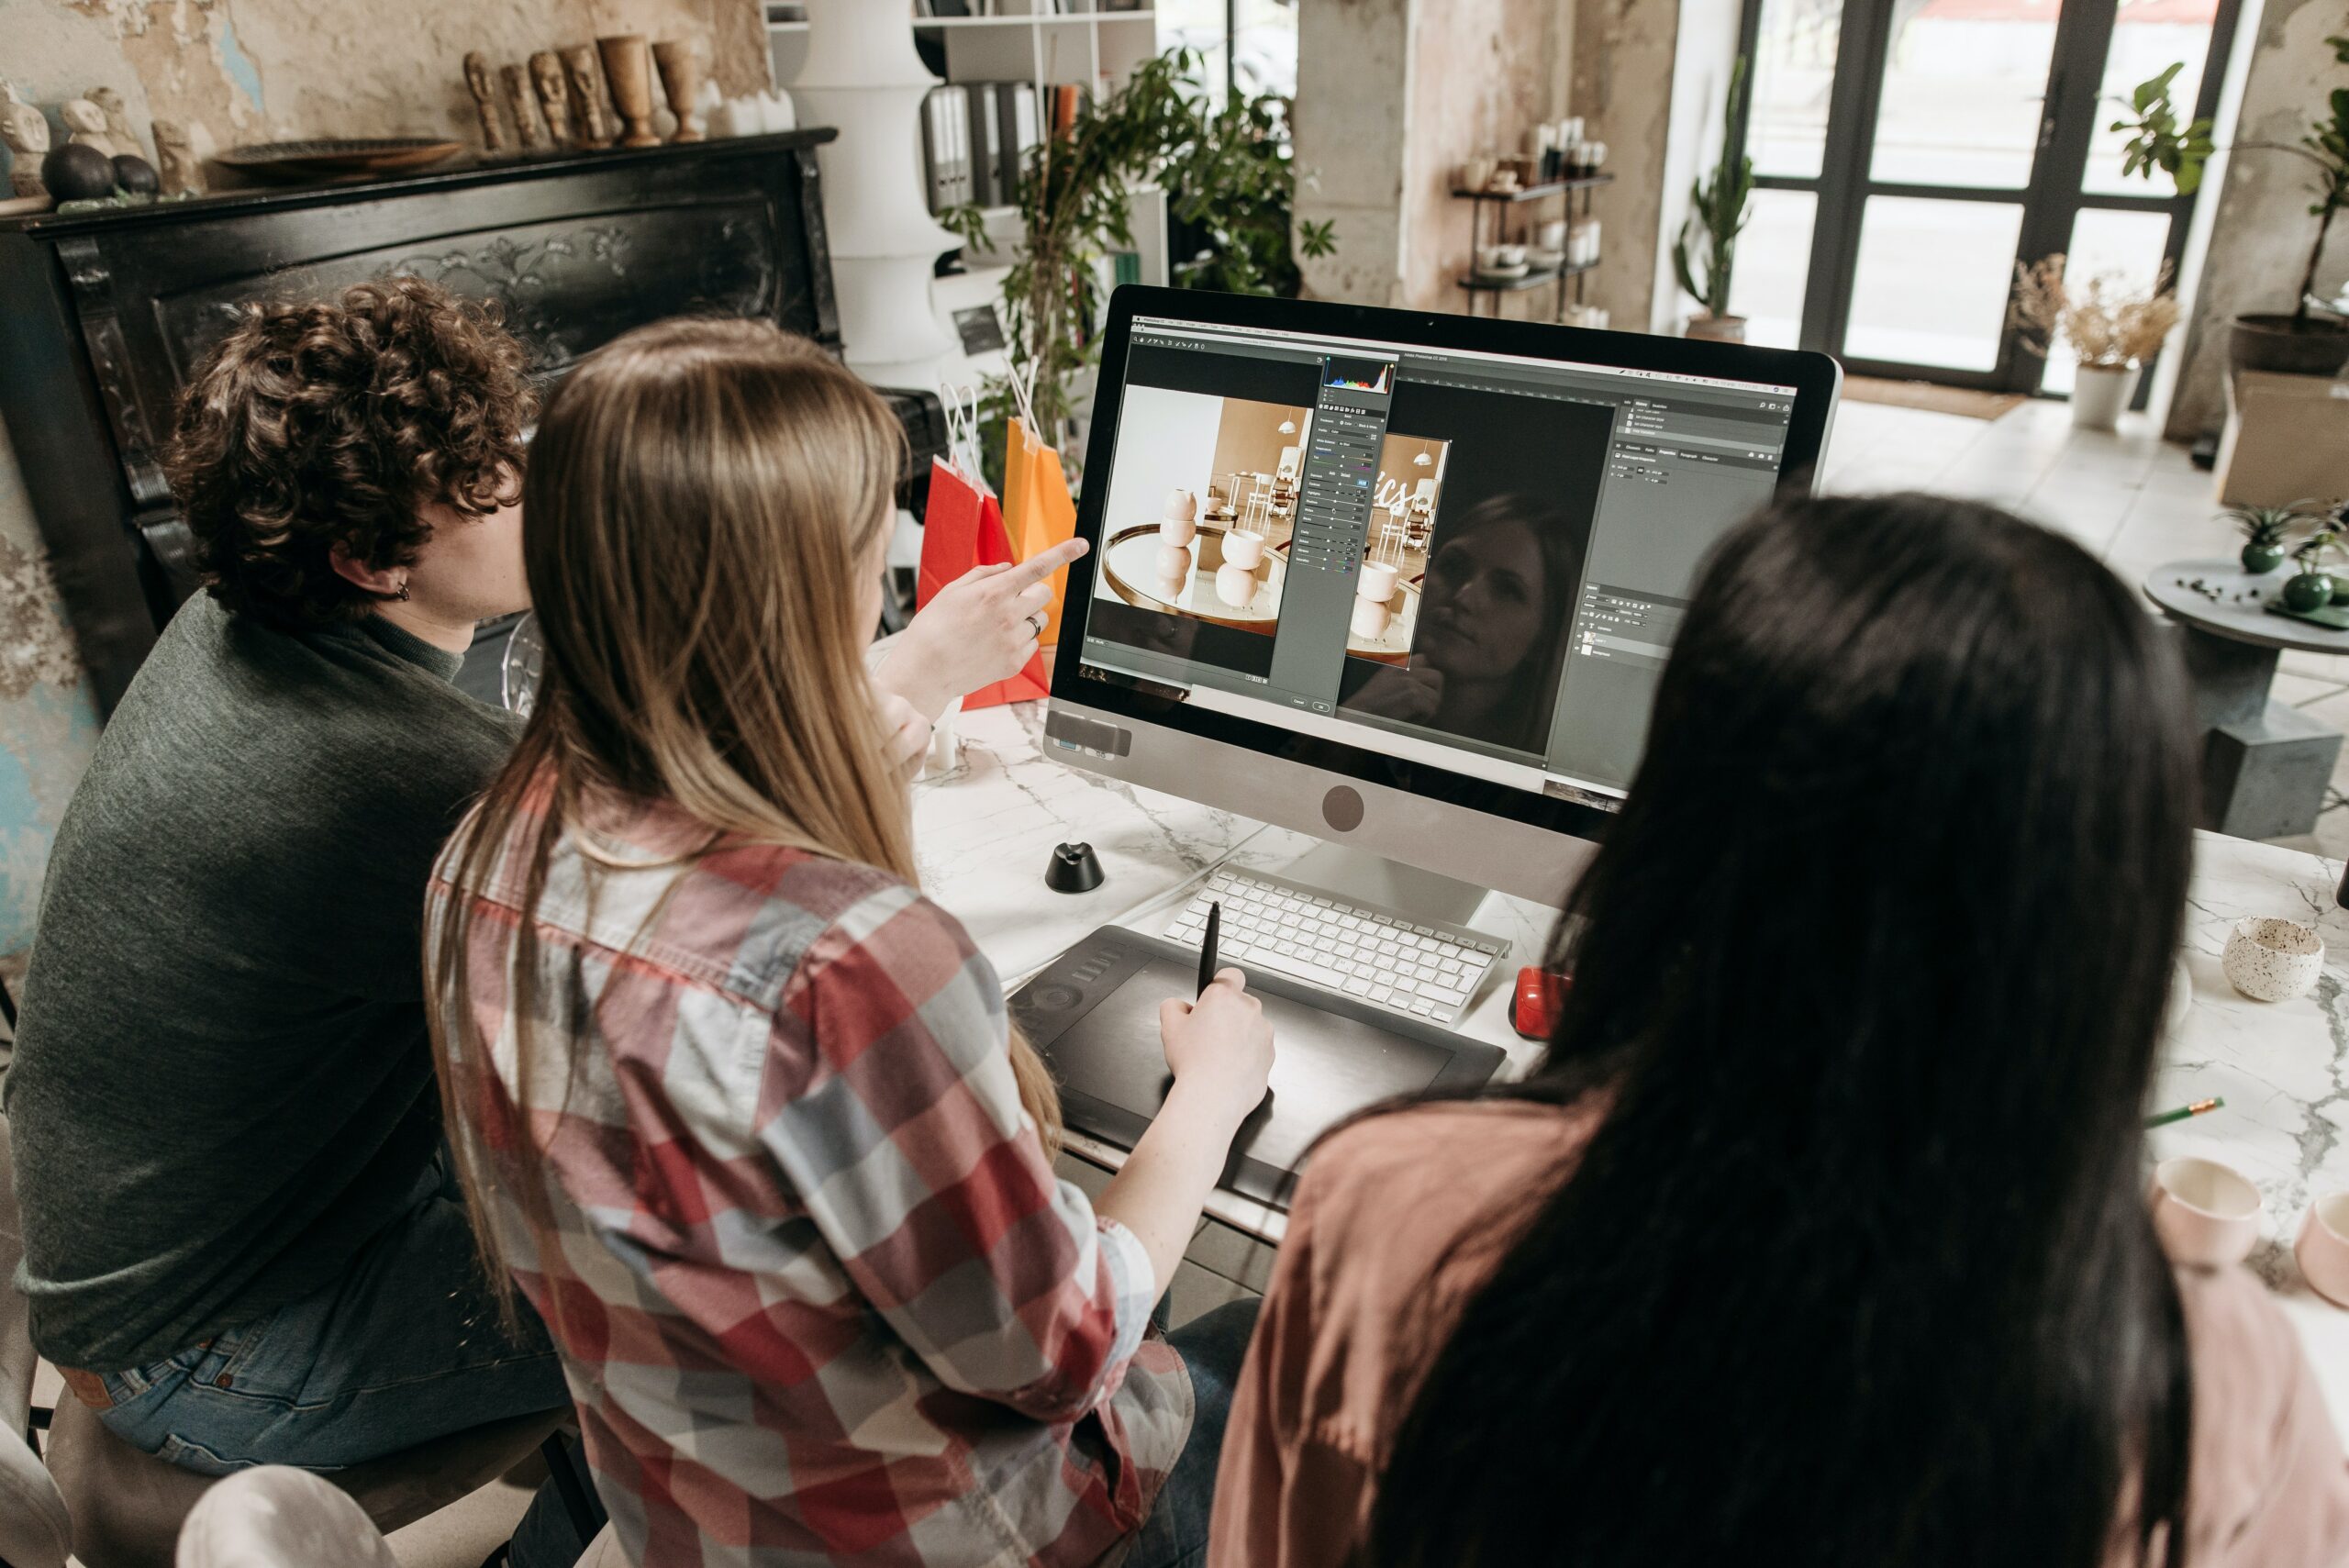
<point x="1392" y="96"/>
<point x="2260" y="239"/>
<point x="266" y="70"/>
<point x="1624" y="53"/>
<point x="245" y="71"/>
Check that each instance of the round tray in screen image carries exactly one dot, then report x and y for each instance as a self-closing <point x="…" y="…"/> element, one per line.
<point x="1143" y="570"/>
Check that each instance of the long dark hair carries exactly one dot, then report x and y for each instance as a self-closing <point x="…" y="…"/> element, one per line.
<point x="1856" y="1271"/>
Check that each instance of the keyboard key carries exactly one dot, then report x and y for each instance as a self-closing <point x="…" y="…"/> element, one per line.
<point x="1448" y="999"/>
<point x="1298" y="969"/>
<point x="1449" y="965"/>
<point x="1423" y="1007"/>
<point x="1382" y="993"/>
<point x="1406" y="988"/>
<point x="1357" y="987"/>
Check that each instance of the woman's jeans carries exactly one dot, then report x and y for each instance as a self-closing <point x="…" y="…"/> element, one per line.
<point x="1212" y="1346"/>
<point x="408" y="1346"/>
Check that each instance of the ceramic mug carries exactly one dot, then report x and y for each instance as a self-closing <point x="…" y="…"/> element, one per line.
<point x="1235" y="586"/>
<point x="1244" y="548"/>
<point x="1475" y="173"/>
<point x="1488" y="258"/>
<point x="1377" y="583"/>
<point x="2272" y="960"/>
<point x="1173" y="563"/>
<point x="2323" y="1247"/>
<point x="1181" y="506"/>
<point x="1177" y="532"/>
<point x="1370" y="618"/>
<point x="2206" y="1213"/>
<point x="1552" y="234"/>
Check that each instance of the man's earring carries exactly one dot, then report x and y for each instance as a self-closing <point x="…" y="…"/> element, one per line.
<point x="403" y="592"/>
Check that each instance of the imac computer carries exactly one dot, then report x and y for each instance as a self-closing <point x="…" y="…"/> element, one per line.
<point x="1405" y="583"/>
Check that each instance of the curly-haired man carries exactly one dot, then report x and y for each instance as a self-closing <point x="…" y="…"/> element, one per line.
<point x="239" y="1232"/>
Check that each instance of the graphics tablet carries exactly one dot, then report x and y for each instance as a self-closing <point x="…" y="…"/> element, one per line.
<point x="1093" y="1015"/>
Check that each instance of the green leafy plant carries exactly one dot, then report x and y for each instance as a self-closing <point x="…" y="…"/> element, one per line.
<point x="1231" y="172"/>
<point x="2157" y="140"/>
<point x="2267" y="527"/>
<point x="2313" y="551"/>
<point x="1234" y="179"/>
<point x="1716" y="214"/>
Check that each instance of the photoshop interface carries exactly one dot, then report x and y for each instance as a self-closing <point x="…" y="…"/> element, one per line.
<point x="1533" y="525"/>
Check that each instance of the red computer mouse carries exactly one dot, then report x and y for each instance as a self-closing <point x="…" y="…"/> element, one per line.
<point x="1539" y="995"/>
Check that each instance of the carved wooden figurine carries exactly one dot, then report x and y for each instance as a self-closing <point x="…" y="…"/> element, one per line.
<point x="554" y="96"/>
<point x="25" y="130"/>
<point x="492" y="130"/>
<point x="524" y="104"/>
<point x="628" y="65"/>
<point x="586" y="73"/>
<point x="117" y="115"/>
<point x="682" y="70"/>
<point x="175" y="155"/>
<point x="85" y="124"/>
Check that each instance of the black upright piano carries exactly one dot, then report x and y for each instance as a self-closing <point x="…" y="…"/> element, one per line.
<point x="103" y="315"/>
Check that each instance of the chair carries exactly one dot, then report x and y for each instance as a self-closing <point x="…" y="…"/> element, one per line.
<point x="274" y="1517"/>
<point x="116" y="1507"/>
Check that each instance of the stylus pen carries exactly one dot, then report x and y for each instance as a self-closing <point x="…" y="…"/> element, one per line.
<point x="1207" y="946"/>
<point x="2183" y="1112"/>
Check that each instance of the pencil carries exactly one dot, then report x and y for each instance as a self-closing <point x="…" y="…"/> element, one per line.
<point x="2184" y="1112"/>
<point x="1207" y="946"/>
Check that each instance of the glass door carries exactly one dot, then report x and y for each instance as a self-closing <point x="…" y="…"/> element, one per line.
<point x="1907" y="153"/>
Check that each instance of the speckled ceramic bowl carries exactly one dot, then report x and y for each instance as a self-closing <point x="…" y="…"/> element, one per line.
<point x="2272" y="960"/>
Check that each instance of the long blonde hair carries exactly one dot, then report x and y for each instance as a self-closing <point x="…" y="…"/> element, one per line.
<point x="699" y="499"/>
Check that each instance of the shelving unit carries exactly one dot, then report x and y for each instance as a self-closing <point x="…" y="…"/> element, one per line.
<point x="1096" y="49"/>
<point x="1577" y="191"/>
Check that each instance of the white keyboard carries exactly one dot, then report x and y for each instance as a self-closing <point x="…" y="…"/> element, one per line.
<point x="1427" y="971"/>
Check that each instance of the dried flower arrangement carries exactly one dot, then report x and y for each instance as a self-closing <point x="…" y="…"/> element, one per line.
<point x="2108" y="323"/>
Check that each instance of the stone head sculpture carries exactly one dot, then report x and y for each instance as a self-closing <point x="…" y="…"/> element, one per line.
<point x="554" y="95"/>
<point x="25" y="130"/>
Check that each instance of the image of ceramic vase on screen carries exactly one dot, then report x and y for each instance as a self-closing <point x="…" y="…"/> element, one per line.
<point x="1202" y="508"/>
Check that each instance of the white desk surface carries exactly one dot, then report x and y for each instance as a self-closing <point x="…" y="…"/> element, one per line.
<point x="985" y="829"/>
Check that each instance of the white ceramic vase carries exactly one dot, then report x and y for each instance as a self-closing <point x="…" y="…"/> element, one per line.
<point x="2100" y="395"/>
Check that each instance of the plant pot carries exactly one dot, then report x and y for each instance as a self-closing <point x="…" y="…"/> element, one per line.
<point x="2099" y="394"/>
<point x="2340" y="590"/>
<point x="2279" y="343"/>
<point x="2259" y="559"/>
<point x="2309" y="591"/>
<point x="1718" y="329"/>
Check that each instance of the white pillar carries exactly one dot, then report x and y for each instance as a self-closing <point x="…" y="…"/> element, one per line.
<point x="863" y="77"/>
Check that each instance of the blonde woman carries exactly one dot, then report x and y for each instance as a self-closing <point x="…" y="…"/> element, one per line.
<point x="735" y="1105"/>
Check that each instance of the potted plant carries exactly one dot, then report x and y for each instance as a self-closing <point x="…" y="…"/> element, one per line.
<point x="2312" y="587"/>
<point x="1706" y="251"/>
<point x="2264" y="530"/>
<point x="2301" y="343"/>
<point x="2111" y="328"/>
<point x="1230" y="174"/>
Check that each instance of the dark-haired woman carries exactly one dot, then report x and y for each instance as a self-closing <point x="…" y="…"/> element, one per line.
<point x="1820" y="1237"/>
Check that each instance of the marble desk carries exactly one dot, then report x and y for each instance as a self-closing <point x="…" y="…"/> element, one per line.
<point x="985" y="828"/>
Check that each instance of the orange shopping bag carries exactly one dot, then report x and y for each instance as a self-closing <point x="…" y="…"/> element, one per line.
<point x="1037" y="510"/>
<point x="963" y="527"/>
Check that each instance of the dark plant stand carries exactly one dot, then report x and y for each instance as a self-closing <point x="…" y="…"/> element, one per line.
<point x="1577" y="191"/>
<point x="2266" y="765"/>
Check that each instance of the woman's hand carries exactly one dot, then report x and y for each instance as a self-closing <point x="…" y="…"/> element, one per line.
<point x="908" y="733"/>
<point x="1220" y="1049"/>
<point x="1412" y="695"/>
<point x="977" y="629"/>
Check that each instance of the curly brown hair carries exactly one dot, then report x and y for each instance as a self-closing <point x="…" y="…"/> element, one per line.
<point x="336" y="423"/>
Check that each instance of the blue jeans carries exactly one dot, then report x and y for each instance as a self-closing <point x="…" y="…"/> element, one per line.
<point x="405" y="1347"/>
<point x="1212" y="1346"/>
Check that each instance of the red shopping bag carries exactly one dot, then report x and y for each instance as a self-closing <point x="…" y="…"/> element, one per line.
<point x="963" y="527"/>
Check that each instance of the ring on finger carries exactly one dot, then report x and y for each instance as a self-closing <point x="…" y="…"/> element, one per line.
<point x="1037" y="622"/>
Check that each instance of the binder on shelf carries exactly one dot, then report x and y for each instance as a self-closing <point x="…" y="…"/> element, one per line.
<point x="945" y="147"/>
<point x="985" y="133"/>
<point x="1019" y="128"/>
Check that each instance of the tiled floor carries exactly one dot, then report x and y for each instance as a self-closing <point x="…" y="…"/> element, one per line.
<point x="2130" y="497"/>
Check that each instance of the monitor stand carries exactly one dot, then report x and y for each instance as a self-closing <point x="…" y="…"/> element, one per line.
<point x="1406" y="890"/>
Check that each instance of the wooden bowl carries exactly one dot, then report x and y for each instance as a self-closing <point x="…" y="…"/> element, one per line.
<point x="347" y="159"/>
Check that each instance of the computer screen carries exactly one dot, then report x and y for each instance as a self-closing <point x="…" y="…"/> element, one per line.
<point x="1474" y="559"/>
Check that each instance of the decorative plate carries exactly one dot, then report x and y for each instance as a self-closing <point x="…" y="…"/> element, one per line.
<point x="351" y="158"/>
